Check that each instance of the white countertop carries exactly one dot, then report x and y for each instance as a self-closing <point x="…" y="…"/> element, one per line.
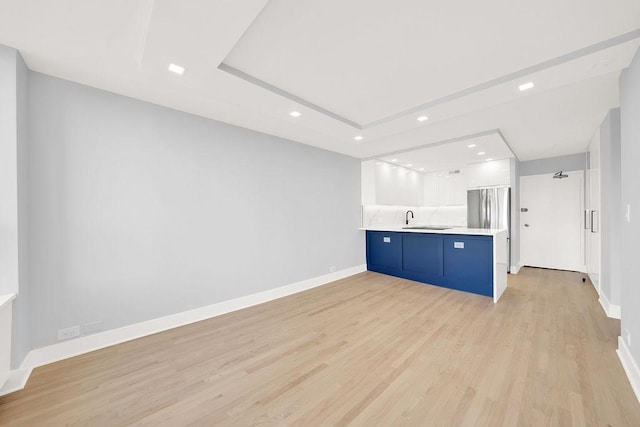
<point x="5" y="298"/>
<point x="453" y="230"/>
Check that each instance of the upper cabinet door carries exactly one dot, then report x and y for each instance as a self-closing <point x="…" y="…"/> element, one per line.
<point x="446" y="187"/>
<point x="387" y="184"/>
<point x="397" y="186"/>
<point x="452" y="188"/>
<point x="460" y="189"/>
<point x="489" y="174"/>
<point x="431" y="191"/>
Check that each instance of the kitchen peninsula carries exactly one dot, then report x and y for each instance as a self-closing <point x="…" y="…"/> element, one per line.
<point x="466" y="259"/>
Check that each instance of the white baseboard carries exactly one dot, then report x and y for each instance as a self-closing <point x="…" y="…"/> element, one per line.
<point x="614" y="311"/>
<point x="16" y="381"/>
<point x="515" y="268"/>
<point x="64" y="350"/>
<point x="594" y="281"/>
<point x="630" y="366"/>
<point x="611" y="310"/>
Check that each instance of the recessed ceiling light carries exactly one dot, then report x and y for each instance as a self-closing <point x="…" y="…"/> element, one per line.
<point x="482" y="153"/>
<point x="176" y="69"/>
<point x="358" y="137"/>
<point x="526" y="86"/>
<point x="423" y="118"/>
<point x="421" y="169"/>
<point x="394" y="160"/>
<point x="488" y="160"/>
<point x="409" y="165"/>
<point x="294" y="114"/>
<point x="471" y="145"/>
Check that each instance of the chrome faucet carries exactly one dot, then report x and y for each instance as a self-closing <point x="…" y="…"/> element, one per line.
<point x="406" y="217"/>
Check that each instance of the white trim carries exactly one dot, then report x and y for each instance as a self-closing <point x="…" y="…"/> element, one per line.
<point x="6" y="308"/>
<point x="614" y="312"/>
<point x="611" y="310"/>
<point x="16" y="381"/>
<point x="6" y="298"/>
<point x="604" y="303"/>
<point x="500" y="263"/>
<point x="63" y="350"/>
<point x="595" y="283"/>
<point x="630" y="366"/>
<point x="515" y="268"/>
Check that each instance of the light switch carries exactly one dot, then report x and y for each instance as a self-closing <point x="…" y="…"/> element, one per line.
<point x="627" y="215"/>
<point x="458" y="245"/>
<point x="386" y="239"/>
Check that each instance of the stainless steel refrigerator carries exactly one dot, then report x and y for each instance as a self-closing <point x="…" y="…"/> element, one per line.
<point x="490" y="208"/>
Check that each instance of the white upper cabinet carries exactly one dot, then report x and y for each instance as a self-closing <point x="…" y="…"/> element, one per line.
<point x="489" y="174"/>
<point x="452" y="188"/>
<point x="431" y="193"/>
<point x="446" y="185"/>
<point x="397" y="186"/>
<point x="460" y="188"/>
<point x="384" y="183"/>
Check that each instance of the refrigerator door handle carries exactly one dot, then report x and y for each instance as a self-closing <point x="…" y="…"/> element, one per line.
<point x="489" y="209"/>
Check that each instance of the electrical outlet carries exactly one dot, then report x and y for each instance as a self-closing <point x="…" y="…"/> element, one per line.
<point x="92" y="327"/>
<point x="332" y="269"/>
<point x="65" y="334"/>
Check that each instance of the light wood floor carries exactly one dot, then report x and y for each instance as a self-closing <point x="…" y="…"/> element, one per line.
<point x="367" y="350"/>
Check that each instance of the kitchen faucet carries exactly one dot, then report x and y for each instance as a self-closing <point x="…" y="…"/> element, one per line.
<point x="406" y="217"/>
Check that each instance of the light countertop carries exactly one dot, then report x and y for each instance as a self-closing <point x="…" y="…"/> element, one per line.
<point x="453" y="230"/>
<point x="6" y="298"/>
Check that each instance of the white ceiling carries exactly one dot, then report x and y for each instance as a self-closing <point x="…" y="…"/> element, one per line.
<point x="452" y="155"/>
<point x="367" y="60"/>
<point x="375" y="61"/>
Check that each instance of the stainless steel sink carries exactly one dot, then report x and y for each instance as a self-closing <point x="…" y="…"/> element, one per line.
<point x="425" y="227"/>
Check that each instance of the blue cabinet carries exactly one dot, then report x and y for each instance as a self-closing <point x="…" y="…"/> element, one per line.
<point x="468" y="263"/>
<point x="461" y="262"/>
<point x="384" y="251"/>
<point x="422" y="254"/>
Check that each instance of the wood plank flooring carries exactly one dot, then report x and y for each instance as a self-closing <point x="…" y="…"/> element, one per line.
<point x="367" y="350"/>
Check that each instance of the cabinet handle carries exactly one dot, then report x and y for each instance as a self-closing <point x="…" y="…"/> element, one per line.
<point x="594" y="227"/>
<point x="586" y="219"/>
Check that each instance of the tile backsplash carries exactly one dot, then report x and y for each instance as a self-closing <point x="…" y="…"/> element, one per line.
<point x="383" y="215"/>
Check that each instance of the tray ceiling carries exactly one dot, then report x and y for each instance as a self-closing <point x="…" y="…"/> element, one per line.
<point x="351" y="69"/>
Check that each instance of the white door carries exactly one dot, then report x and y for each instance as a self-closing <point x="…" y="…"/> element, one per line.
<point x="551" y="229"/>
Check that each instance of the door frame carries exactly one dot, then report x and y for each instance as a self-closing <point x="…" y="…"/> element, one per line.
<point x="582" y="263"/>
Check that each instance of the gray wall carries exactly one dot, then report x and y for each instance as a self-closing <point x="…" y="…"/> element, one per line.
<point x="139" y="211"/>
<point x="610" y="220"/>
<point x="630" y="231"/>
<point x="571" y="162"/>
